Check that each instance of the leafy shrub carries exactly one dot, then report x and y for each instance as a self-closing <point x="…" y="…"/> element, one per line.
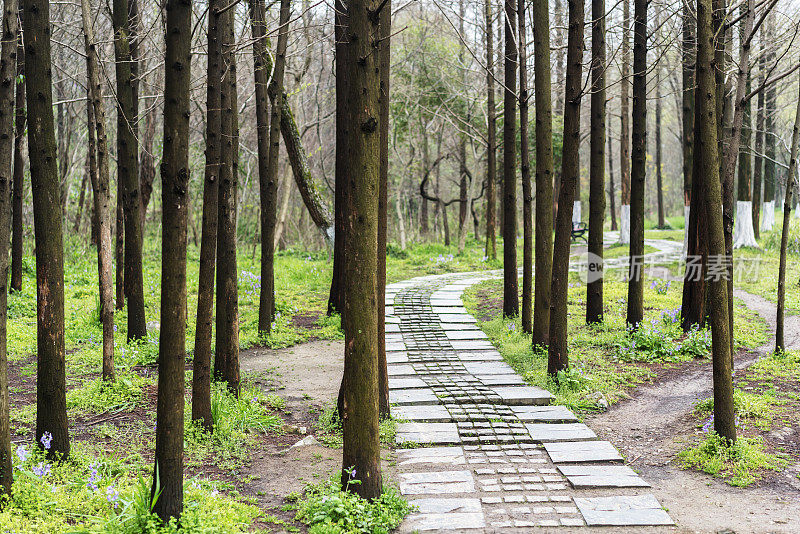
<point x="665" y="341"/>
<point x="393" y="250"/>
<point x="98" y="396"/>
<point x="326" y="509"/>
<point x="772" y="240"/>
<point x="740" y="464"/>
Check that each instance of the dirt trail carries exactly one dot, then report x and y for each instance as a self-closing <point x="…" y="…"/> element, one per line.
<point x="650" y="426"/>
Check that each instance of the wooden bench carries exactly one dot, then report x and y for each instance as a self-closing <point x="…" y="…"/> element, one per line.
<point x="579" y="230"/>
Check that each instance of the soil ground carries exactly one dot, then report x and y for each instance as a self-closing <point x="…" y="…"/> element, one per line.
<point x="650" y="427"/>
<point x="307" y="376"/>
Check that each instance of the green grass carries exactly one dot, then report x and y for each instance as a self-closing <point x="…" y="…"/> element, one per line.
<point x="605" y="361"/>
<point x="95" y="492"/>
<point x="740" y="464"/>
<point x="765" y="399"/>
<point x="604" y="366"/>
<point x="758" y="269"/>
<point x="326" y="509"/>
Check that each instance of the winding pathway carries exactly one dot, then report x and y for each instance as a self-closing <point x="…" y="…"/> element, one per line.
<point x="483" y="451"/>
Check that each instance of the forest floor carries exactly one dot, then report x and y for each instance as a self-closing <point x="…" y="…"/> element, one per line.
<point x="652" y="426"/>
<point x="239" y="478"/>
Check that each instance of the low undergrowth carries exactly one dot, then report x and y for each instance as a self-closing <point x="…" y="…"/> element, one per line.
<point x="766" y="401"/>
<point x="327" y="509"/>
<point x="739" y="464"/>
<point x="606" y="360"/>
<point x="93" y="492"/>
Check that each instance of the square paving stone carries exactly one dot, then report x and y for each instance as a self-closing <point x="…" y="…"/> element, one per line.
<point x="449" y="309"/>
<point x="424" y="414"/>
<point x="392" y="328"/>
<point x="622" y="511"/>
<point x="395" y="346"/>
<point x="399" y="370"/>
<point x="458" y="317"/>
<point x="397" y="357"/>
<point x="549" y="414"/>
<point x="443" y="522"/>
<point x="406" y="383"/>
<point x="602" y="476"/>
<point x="582" y="451"/>
<point x="472" y="344"/>
<point x="480" y="356"/>
<point x="436" y="483"/>
<point x="488" y="368"/>
<point x="431" y="455"/>
<point x="459" y="327"/>
<point x="444" y="301"/>
<point x="427" y="433"/>
<point x="501" y="380"/>
<point x="464" y="334"/>
<point x="407" y="397"/>
<point x="523" y="395"/>
<point x="544" y="432"/>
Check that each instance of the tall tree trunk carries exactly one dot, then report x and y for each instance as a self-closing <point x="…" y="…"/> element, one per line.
<point x="168" y="473"/>
<point x="102" y="190"/>
<point x="51" y="409"/>
<point x="662" y="222"/>
<point x="491" y="137"/>
<point x="19" y="173"/>
<point x="739" y="149"/>
<point x="688" y="47"/>
<point x="558" y="357"/>
<point x="770" y="136"/>
<point x="128" y="164"/>
<point x="201" y="376"/>
<point x="726" y="121"/>
<point x="384" y="100"/>
<point x="119" y="250"/>
<point x="525" y="167"/>
<point x="706" y="152"/>
<point x="544" y="173"/>
<point x="147" y="164"/>
<point x="76" y="228"/>
<point x="51" y="402"/>
<point x="791" y="178"/>
<point x="426" y="163"/>
<point x="510" y="283"/>
<point x="597" y="170"/>
<point x="8" y="67"/>
<point x="226" y="360"/>
<point x="91" y="169"/>
<point x="358" y="89"/>
<point x="268" y="150"/>
<point x="624" y="130"/>
<point x="612" y="200"/>
<point x="758" y="169"/>
<point x="635" y="311"/>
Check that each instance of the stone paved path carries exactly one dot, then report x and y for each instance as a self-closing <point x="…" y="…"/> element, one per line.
<point x="482" y="451"/>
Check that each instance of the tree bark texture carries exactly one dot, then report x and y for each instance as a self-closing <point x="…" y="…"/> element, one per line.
<point x="544" y="173"/>
<point x="510" y="281"/>
<point x="558" y="357"/>
<point x="168" y="473"/>
<point x="51" y="402"/>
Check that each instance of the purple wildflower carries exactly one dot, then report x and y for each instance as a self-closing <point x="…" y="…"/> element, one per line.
<point x="22" y="454"/>
<point x="46" y="439"/>
<point x="41" y="470"/>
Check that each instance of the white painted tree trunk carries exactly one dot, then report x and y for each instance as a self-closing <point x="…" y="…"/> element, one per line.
<point x="743" y="235"/>
<point x="686" y="212"/>
<point x="576" y="212"/>
<point x="625" y="224"/>
<point x="768" y="216"/>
